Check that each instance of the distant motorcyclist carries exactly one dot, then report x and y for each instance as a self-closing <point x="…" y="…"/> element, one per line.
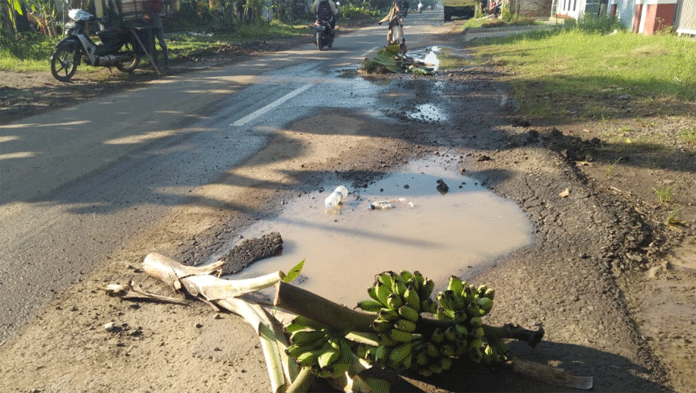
<point x="420" y="7"/>
<point x="325" y="10"/>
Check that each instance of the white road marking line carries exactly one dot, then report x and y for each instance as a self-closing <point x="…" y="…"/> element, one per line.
<point x="369" y="50"/>
<point x="270" y="106"/>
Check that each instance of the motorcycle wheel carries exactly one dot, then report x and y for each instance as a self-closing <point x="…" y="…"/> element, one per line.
<point x="133" y="58"/>
<point x="320" y="41"/>
<point x="64" y="63"/>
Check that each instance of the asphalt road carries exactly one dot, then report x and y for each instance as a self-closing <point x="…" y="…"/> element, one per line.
<point x="78" y="183"/>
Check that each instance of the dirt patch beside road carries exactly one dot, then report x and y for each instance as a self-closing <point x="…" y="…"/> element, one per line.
<point x="612" y="285"/>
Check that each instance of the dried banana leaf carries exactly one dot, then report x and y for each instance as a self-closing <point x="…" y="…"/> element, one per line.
<point x="221" y="293"/>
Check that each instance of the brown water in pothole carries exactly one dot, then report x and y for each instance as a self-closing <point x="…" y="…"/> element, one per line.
<point x="437" y="234"/>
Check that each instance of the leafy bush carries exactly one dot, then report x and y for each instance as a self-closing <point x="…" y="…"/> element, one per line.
<point x="27" y="47"/>
<point x="357" y="11"/>
<point x="591" y="23"/>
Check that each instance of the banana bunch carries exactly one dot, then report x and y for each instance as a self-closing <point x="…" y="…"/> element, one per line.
<point x="465" y="305"/>
<point x="314" y="346"/>
<point x="496" y="352"/>
<point x="397" y="301"/>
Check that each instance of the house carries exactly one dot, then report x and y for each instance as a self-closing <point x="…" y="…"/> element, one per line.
<point x="639" y="16"/>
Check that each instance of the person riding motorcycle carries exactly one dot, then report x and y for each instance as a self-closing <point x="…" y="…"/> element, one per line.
<point x="325" y="10"/>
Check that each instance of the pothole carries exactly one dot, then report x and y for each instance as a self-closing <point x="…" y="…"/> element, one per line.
<point x="457" y="231"/>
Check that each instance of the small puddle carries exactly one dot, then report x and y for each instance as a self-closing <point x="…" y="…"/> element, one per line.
<point x="439" y="57"/>
<point x="428" y="113"/>
<point x="437" y="234"/>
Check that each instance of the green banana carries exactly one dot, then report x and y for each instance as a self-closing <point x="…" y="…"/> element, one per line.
<point x="293" y="327"/>
<point x="370" y="305"/>
<point x="345" y="360"/>
<point x="382" y="292"/>
<point x="446" y="363"/>
<point x="400" y="335"/>
<point x="443" y="314"/>
<point x="294" y="350"/>
<point x="406" y="275"/>
<point x="385" y="339"/>
<point x="426" y="372"/>
<point x="380" y="325"/>
<point x="460" y="347"/>
<point x="451" y="333"/>
<point x="461" y="331"/>
<point x="455" y="285"/>
<point x="447" y="350"/>
<point x="385" y="278"/>
<point x="399" y="287"/>
<point x="422" y="358"/>
<point x="328" y="357"/>
<point x="458" y="301"/>
<point x="394" y="301"/>
<point x="308" y="358"/>
<point x="405" y="325"/>
<point x="460" y="316"/>
<point x="475" y="344"/>
<point x="388" y="314"/>
<point x="411" y="298"/>
<point x="485" y="304"/>
<point x="409" y="313"/>
<point x="477" y="332"/>
<point x="432" y="351"/>
<point x="436" y="368"/>
<point x="310" y="323"/>
<point x="408" y="360"/>
<point x="427" y="289"/>
<point x="372" y="292"/>
<point x="444" y="301"/>
<point x="419" y="279"/>
<point x="482" y="290"/>
<point x="468" y="295"/>
<point x="306" y="337"/>
<point x="437" y="336"/>
<point x="475" y="355"/>
<point x="473" y="310"/>
<point x="382" y="354"/>
<point x="490" y="294"/>
<point x="400" y="352"/>
<point x="475" y="322"/>
<point x="428" y="305"/>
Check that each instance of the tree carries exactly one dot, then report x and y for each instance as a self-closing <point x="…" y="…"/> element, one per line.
<point x="7" y="19"/>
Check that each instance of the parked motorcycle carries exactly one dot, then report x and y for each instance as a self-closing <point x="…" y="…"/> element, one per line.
<point x="323" y="34"/>
<point x="117" y="48"/>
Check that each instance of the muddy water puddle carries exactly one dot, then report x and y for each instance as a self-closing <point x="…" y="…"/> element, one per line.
<point x="438" y="233"/>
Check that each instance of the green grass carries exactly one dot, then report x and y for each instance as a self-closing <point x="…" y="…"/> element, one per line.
<point x="665" y="193"/>
<point x="688" y="136"/>
<point x="29" y="53"/>
<point x="33" y="53"/>
<point x="577" y="66"/>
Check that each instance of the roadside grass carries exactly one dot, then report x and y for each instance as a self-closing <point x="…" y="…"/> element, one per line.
<point x="665" y="193"/>
<point x="688" y="136"/>
<point x="33" y="52"/>
<point x="490" y="22"/>
<point x="575" y="72"/>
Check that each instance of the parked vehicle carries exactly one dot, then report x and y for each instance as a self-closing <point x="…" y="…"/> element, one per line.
<point x="323" y="34"/>
<point x="465" y="8"/>
<point x="118" y="47"/>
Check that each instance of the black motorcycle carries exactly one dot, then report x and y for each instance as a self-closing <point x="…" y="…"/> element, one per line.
<point x="118" y="47"/>
<point x="323" y="34"/>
